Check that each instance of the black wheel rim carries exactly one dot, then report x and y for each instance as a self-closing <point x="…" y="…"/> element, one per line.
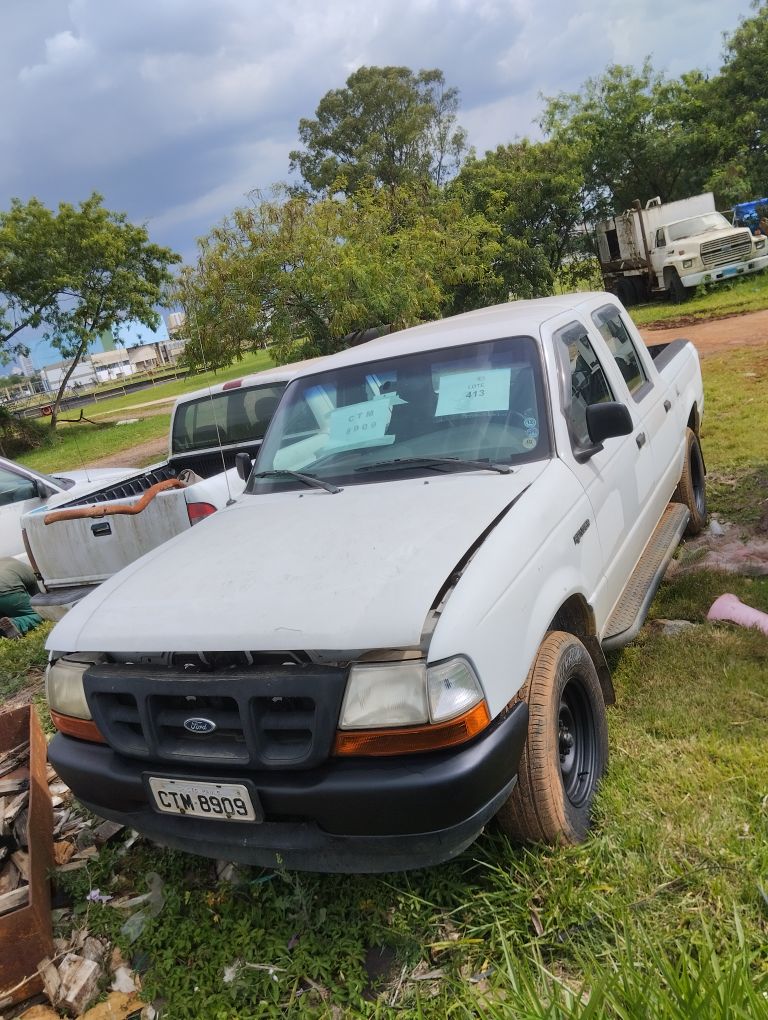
<point x="697" y="480"/>
<point x="577" y="746"/>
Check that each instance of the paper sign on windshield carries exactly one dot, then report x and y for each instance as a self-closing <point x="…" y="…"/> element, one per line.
<point x="465" y="392"/>
<point x="362" y="423"/>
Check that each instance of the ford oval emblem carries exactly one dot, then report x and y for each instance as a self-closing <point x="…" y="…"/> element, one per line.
<point x="199" y="725"/>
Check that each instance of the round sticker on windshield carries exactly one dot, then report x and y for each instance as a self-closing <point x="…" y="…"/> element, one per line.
<point x="529" y="442"/>
<point x="534" y="433"/>
<point x="530" y="423"/>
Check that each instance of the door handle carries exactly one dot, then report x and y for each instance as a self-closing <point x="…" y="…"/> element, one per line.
<point x="102" y="528"/>
<point x="667" y="406"/>
<point x="640" y="440"/>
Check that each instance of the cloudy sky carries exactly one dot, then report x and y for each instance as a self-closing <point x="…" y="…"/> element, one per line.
<point x="175" y="109"/>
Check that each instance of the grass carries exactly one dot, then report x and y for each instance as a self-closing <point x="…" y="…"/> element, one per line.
<point x="733" y="434"/>
<point x="21" y="661"/>
<point x="749" y="294"/>
<point x="73" y="446"/>
<point x="170" y="390"/>
<point x="662" y="913"/>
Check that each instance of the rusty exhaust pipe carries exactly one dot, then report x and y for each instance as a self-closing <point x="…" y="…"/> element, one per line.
<point x="107" y="509"/>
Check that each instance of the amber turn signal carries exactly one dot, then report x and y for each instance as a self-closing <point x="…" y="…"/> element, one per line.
<point x="410" y="739"/>
<point x="83" y="729"/>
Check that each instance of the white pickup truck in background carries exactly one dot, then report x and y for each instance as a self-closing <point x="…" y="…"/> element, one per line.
<point x="74" y="544"/>
<point x="398" y="631"/>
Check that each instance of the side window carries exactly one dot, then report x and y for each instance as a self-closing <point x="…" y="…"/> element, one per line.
<point x="584" y="380"/>
<point x="15" y="488"/>
<point x="612" y="329"/>
<point x="660" y="242"/>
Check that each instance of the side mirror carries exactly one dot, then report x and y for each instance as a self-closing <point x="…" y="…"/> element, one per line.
<point x="243" y="463"/>
<point x="608" y="420"/>
<point x="44" y="491"/>
<point x="604" y="421"/>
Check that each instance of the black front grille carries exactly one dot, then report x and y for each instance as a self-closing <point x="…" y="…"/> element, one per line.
<point x="265" y="717"/>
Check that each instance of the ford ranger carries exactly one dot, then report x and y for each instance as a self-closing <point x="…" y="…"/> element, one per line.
<point x="399" y="631"/>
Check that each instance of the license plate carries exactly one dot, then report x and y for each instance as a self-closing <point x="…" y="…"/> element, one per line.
<point x="732" y="271"/>
<point x="230" y="802"/>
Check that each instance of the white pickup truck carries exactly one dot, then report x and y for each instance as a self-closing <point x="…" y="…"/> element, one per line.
<point x="76" y="541"/>
<point x="398" y="632"/>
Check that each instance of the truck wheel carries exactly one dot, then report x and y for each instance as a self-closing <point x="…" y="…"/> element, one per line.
<point x="626" y="292"/>
<point x="678" y="292"/>
<point x="692" y="488"/>
<point x="566" y="751"/>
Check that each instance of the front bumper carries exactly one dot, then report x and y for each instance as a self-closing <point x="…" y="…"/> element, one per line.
<point x="356" y="815"/>
<point x="719" y="273"/>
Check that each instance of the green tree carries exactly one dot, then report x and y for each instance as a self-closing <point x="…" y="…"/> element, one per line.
<point x="738" y="112"/>
<point x="301" y="274"/>
<point x="636" y="134"/>
<point x="532" y="192"/>
<point x="388" y="125"/>
<point x="76" y="272"/>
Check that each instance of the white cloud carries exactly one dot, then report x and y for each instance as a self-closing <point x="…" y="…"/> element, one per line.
<point x="175" y="109"/>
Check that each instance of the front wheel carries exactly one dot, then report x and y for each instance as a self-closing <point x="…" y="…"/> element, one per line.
<point x="678" y="292"/>
<point x="566" y="751"/>
<point x="691" y="490"/>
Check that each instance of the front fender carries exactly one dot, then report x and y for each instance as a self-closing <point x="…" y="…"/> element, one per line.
<point x="544" y="551"/>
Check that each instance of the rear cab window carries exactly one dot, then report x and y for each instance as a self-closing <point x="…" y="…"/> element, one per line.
<point x="233" y="416"/>
<point x="582" y="378"/>
<point x="614" y="332"/>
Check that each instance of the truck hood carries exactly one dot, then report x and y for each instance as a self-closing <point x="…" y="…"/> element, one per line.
<point x="298" y="570"/>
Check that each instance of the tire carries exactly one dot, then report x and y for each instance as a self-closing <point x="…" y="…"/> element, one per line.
<point x="566" y="751"/>
<point x="640" y="287"/>
<point x="692" y="489"/>
<point x="625" y="292"/>
<point x="678" y="292"/>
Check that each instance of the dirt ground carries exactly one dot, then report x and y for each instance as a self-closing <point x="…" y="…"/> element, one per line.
<point x="716" y="335"/>
<point x="711" y="337"/>
<point x="138" y="456"/>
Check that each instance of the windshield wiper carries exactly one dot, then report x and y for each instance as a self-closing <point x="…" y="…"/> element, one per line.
<point x="312" y="480"/>
<point x="436" y="462"/>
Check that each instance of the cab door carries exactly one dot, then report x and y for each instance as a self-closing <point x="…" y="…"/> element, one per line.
<point x="18" y="494"/>
<point x="609" y="475"/>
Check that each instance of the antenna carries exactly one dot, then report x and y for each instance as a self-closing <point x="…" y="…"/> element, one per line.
<point x="230" y="500"/>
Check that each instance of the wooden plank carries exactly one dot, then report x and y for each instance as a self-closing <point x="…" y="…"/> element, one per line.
<point x="14" y="899"/>
<point x="28" y="928"/>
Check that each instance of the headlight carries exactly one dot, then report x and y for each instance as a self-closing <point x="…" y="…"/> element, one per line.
<point x="759" y="245"/>
<point x="389" y="694"/>
<point x="64" y="686"/>
<point x="687" y="263"/>
<point x="405" y="707"/>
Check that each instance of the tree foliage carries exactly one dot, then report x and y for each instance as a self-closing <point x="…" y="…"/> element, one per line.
<point x="300" y="273"/>
<point x="76" y="272"/>
<point x="634" y="134"/>
<point x="738" y="112"/>
<point x="389" y="126"/>
<point x="532" y="192"/>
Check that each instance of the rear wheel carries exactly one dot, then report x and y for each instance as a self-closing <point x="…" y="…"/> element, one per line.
<point x="692" y="488"/>
<point x="566" y="751"/>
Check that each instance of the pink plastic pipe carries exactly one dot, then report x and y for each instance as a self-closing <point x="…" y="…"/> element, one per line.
<point x="728" y="607"/>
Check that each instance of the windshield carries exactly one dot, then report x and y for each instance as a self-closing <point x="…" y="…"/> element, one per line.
<point x="697" y="225"/>
<point x="237" y="415"/>
<point x="480" y="402"/>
